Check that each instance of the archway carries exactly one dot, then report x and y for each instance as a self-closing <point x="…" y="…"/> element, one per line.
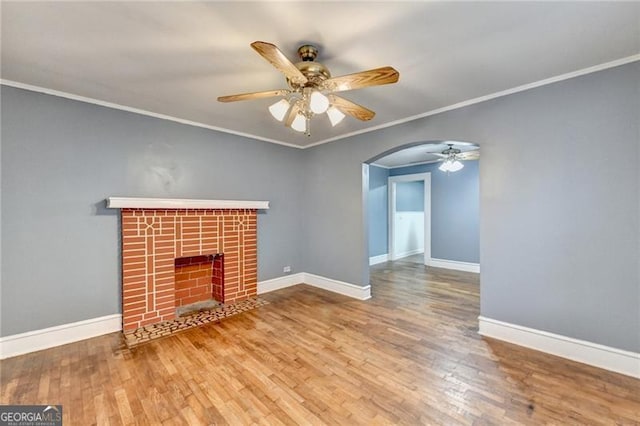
<point x="450" y="200"/>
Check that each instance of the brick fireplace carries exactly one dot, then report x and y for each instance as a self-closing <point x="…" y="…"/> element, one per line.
<point x="176" y="252"/>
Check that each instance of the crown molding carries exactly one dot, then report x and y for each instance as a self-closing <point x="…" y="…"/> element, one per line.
<point x="517" y="89"/>
<point x="522" y="88"/>
<point x="112" y="105"/>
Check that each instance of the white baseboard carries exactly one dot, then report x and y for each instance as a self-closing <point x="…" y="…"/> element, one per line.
<point x="45" y="338"/>
<point x="341" y="287"/>
<point x="32" y="341"/>
<point x="407" y="254"/>
<point x="374" y="260"/>
<point x="454" y="264"/>
<point x="280" y="282"/>
<point x="608" y="358"/>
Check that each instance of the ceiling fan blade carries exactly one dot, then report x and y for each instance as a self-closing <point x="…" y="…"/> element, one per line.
<point x="276" y="58"/>
<point x="470" y="155"/>
<point x="437" y="154"/>
<point x="253" y="95"/>
<point x="351" y="108"/>
<point x="375" y="77"/>
<point x="293" y="112"/>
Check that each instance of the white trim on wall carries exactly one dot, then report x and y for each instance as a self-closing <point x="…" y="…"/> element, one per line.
<point x="72" y="96"/>
<point x="612" y="359"/>
<point x="335" y="286"/>
<point x="280" y="282"/>
<point x="551" y="80"/>
<point x="374" y="260"/>
<point x="340" y="287"/>
<point x="408" y="253"/>
<point x="507" y="92"/>
<point x="608" y="358"/>
<point x="454" y="264"/>
<point x="37" y="340"/>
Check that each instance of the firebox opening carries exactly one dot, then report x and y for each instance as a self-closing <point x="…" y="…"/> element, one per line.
<point x="199" y="283"/>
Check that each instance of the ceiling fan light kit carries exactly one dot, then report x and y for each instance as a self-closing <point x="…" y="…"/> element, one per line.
<point x="335" y="115"/>
<point x="311" y="89"/>
<point x="279" y="109"/>
<point x="299" y="123"/>
<point x="451" y="162"/>
<point x="451" y="166"/>
<point x="318" y="102"/>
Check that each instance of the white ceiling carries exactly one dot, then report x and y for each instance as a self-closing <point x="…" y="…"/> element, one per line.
<point x="422" y="154"/>
<point x="175" y="59"/>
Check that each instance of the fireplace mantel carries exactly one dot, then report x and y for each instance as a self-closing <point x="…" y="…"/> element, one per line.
<point x="178" y="203"/>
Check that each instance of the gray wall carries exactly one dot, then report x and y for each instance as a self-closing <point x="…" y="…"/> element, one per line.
<point x="455" y="210"/>
<point x="378" y="211"/>
<point x="410" y="196"/>
<point x="559" y="204"/>
<point x="62" y="158"/>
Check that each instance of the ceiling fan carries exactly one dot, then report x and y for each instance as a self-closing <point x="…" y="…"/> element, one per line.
<point x="311" y="88"/>
<point x="451" y="158"/>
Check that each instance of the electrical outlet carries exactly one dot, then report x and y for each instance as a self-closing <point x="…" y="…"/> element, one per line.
<point x="286" y="269"/>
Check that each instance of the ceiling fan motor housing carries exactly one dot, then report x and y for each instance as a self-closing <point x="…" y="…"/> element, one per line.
<point x="451" y="150"/>
<point x="314" y="71"/>
<point x="307" y="52"/>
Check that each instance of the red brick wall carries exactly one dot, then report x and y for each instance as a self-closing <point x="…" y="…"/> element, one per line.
<point x="153" y="239"/>
<point x="217" y="280"/>
<point x="193" y="279"/>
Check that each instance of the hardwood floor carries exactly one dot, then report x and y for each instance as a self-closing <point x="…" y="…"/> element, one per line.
<point x="411" y="355"/>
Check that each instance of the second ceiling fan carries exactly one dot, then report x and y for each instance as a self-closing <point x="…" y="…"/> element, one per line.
<point x="311" y="88"/>
<point x="451" y="158"/>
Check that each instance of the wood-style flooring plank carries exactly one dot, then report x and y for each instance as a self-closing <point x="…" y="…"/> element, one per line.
<point x="410" y="355"/>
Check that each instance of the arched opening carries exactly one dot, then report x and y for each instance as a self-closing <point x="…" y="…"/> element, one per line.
<point x="420" y="210"/>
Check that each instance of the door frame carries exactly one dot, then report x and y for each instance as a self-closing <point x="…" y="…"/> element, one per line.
<point x="391" y="183"/>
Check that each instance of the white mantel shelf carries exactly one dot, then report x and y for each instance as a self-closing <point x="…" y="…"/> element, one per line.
<point x="177" y="203"/>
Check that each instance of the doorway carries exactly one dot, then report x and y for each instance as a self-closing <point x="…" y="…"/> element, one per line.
<point x="409" y="224"/>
